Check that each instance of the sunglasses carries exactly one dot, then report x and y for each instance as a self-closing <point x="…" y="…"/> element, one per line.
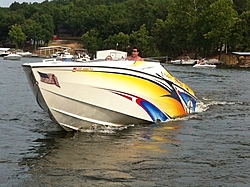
<point x="134" y="51"/>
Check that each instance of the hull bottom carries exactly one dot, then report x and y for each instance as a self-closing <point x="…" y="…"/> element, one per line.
<point x="70" y="121"/>
<point x="77" y="115"/>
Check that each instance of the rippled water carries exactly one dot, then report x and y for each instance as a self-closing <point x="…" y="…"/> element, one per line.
<point x="210" y="148"/>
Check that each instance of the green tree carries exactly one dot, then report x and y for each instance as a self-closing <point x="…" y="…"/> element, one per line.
<point x="171" y="26"/>
<point x="74" y="19"/>
<point x="118" y="21"/>
<point x="98" y="17"/>
<point x="33" y="30"/>
<point x="92" y="41"/>
<point x="7" y="20"/>
<point x="241" y="5"/>
<point x="162" y="35"/>
<point x="16" y="35"/>
<point x="144" y="41"/>
<point x="183" y="22"/>
<point x="240" y="35"/>
<point x="47" y="26"/>
<point x="138" y="13"/>
<point x="118" y="41"/>
<point x="220" y="18"/>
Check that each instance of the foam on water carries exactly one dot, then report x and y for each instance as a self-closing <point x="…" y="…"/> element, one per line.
<point x="204" y="104"/>
<point x="105" y="129"/>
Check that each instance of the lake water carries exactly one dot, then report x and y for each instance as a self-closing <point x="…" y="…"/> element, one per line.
<point x="210" y="148"/>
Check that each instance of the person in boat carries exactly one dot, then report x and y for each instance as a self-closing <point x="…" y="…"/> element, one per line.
<point x="135" y="55"/>
<point x="201" y="62"/>
<point x="108" y="58"/>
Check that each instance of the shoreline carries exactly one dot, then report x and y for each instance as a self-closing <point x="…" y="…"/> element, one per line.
<point x="228" y="60"/>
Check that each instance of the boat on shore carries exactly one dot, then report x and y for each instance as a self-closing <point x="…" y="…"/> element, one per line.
<point x="108" y="93"/>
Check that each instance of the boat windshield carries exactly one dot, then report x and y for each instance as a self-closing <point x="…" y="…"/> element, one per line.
<point x="167" y="72"/>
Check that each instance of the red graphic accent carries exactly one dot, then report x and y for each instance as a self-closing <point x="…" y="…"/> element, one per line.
<point x="139" y="100"/>
<point x="128" y="97"/>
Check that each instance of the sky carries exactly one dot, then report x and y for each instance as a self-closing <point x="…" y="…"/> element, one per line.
<point x="7" y="3"/>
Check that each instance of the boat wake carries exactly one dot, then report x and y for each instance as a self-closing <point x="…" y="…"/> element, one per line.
<point x="205" y="104"/>
<point x="202" y="105"/>
<point x="95" y="128"/>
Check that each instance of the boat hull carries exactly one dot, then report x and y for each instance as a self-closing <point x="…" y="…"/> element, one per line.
<point x="184" y="62"/>
<point x="204" y="66"/>
<point x="12" y="57"/>
<point x="76" y="96"/>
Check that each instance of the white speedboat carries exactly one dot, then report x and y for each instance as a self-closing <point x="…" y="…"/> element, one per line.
<point x="204" y="66"/>
<point x="25" y="54"/>
<point x="80" y="55"/>
<point x="4" y="52"/>
<point x="64" y="56"/>
<point x="12" y="56"/>
<point x="77" y="95"/>
<point x="82" y="58"/>
<point x="184" y="62"/>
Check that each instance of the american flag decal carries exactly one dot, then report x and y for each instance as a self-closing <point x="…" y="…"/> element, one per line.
<point x="49" y="78"/>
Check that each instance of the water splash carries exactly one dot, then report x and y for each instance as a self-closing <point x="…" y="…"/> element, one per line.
<point x="95" y="128"/>
<point x="205" y="103"/>
<point x="202" y="105"/>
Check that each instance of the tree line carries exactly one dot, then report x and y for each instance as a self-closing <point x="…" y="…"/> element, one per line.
<point x="159" y="27"/>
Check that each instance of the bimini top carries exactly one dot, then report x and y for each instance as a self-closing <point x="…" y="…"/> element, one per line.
<point x="241" y="53"/>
